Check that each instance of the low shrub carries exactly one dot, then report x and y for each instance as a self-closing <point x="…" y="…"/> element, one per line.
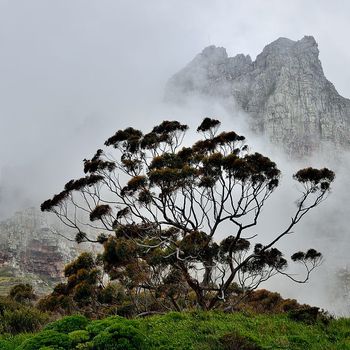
<point x="80" y="336"/>
<point x="289" y="304"/>
<point x="119" y="337"/>
<point x="189" y="331"/>
<point x="304" y="314"/>
<point x="68" y="324"/>
<point x="56" y="303"/>
<point x="12" y="342"/>
<point x="23" y="320"/>
<point x="50" y="339"/>
<point x="263" y="301"/>
<point x="22" y="293"/>
<point x="7" y="304"/>
<point x="235" y="341"/>
<point x="96" y="327"/>
<point x="85" y="346"/>
<point x="310" y="315"/>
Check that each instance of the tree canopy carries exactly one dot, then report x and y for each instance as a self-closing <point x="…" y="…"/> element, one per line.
<point x="176" y="219"/>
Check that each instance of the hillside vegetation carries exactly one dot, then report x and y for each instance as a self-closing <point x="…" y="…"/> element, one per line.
<point x="185" y="331"/>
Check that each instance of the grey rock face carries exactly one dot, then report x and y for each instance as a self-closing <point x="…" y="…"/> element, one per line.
<point x="284" y="91"/>
<point x="30" y="252"/>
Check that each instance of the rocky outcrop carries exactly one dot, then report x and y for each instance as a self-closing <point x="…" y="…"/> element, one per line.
<point x="284" y="91"/>
<point x="30" y="250"/>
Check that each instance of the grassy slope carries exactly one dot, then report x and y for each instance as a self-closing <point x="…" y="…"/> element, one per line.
<point x="202" y="331"/>
<point x="9" y="277"/>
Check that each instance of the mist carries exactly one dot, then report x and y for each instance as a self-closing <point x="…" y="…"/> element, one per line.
<point x="73" y="72"/>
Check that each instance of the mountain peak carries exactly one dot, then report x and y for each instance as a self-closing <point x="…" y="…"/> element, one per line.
<point x="284" y="91"/>
<point x="285" y="47"/>
<point x="212" y="54"/>
<point x="282" y="43"/>
<point x="213" y="50"/>
<point x="309" y="39"/>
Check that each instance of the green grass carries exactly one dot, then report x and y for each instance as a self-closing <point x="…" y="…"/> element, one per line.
<point x="202" y="331"/>
<point x="11" y="342"/>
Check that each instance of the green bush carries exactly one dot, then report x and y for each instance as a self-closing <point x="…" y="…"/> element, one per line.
<point x="47" y="339"/>
<point x="80" y="336"/>
<point x="68" y="324"/>
<point x="306" y="314"/>
<point x="11" y="342"/>
<point x="310" y="315"/>
<point x="119" y="337"/>
<point x="83" y="292"/>
<point x="23" y="320"/>
<point x="235" y="341"/>
<point x="96" y="327"/>
<point x="8" y="304"/>
<point x="22" y="293"/>
<point x="85" y="346"/>
<point x="189" y="331"/>
<point x="112" y="294"/>
<point x="58" y="303"/>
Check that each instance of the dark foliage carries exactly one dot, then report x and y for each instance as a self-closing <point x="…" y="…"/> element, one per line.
<point x="81" y="289"/>
<point x="17" y="318"/>
<point x="310" y="315"/>
<point x="159" y="221"/>
<point x="100" y="211"/>
<point x="22" y="293"/>
<point x="235" y="341"/>
<point x="208" y="124"/>
<point x="68" y="324"/>
<point x="75" y="185"/>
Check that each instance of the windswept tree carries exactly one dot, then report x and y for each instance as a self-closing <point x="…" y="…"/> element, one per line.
<point x="22" y="293"/>
<point x="160" y="207"/>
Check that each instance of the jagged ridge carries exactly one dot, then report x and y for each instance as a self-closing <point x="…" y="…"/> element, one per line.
<point x="284" y="91"/>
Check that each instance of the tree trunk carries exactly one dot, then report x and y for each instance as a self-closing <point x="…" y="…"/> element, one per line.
<point x="194" y="285"/>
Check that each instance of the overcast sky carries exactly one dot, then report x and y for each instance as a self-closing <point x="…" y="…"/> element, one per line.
<point x="72" y="72"/>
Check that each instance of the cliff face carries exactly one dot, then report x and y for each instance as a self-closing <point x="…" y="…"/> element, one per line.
<point x="31" y="252"/>
<point x="284" y="91"/>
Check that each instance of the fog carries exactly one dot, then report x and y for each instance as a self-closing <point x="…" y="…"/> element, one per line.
<point x="73" y="72"/>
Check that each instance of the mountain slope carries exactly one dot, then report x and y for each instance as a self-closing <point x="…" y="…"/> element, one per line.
<point x="284" y="91"/>
<point x="31" y="253"/>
